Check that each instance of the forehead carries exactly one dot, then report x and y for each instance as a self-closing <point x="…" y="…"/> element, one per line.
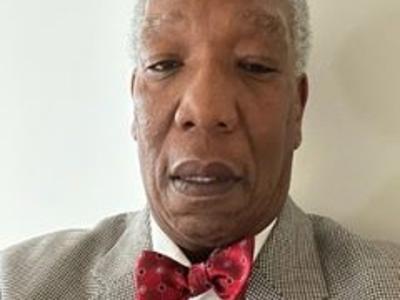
<point x="267" y="16"/>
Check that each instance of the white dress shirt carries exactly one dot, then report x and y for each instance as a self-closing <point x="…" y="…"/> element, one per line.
<point x="164" y="245"/>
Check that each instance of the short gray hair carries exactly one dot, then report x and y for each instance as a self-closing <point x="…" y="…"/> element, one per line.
<point x="299" y="20"/>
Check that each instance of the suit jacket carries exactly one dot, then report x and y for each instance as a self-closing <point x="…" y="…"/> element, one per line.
<point x="305" y="257"/>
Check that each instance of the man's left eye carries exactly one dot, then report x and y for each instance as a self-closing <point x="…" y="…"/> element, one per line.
<point x="256" y="68"/>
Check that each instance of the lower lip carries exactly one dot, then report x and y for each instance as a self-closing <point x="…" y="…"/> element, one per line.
<point x="193" y="189"/>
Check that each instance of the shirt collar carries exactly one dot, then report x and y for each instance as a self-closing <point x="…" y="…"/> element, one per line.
<point x="164" y="245"/>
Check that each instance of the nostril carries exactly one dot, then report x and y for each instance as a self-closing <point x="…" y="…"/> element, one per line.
<point x="222" y="125"/>
<point x="188" y="125"/>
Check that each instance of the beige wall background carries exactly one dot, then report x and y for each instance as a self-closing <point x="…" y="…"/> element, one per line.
<point x="349" y="165"/>
<point x="66" y="156"/>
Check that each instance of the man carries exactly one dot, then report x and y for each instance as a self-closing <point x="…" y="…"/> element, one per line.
<point x="219" y="92"/>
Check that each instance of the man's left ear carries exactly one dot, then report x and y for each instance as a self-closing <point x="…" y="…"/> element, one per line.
<point x="301" y="101"/>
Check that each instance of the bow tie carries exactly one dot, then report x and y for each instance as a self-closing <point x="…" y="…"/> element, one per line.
<point x="226" y="271"/>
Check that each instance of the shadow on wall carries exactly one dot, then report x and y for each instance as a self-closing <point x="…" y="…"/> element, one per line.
<point x="371" y="85"/>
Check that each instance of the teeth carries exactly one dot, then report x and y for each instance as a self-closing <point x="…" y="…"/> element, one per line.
<point x="200" y="179"/>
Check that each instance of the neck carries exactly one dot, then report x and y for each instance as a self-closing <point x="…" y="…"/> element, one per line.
<point x="196" y="257"/>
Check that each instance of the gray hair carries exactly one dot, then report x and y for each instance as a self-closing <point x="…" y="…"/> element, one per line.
<point x="299" y="21"/>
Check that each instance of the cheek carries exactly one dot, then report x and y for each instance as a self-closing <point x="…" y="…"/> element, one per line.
<point x="268" y="122"/>
<point x="269" y="134"/>
<point x="270" y="152"/>
<point x="154" y="111"/>
<point x="153" y="116"/>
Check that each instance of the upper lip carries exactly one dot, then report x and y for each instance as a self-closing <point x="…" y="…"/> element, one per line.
<point x="217" y="170"/>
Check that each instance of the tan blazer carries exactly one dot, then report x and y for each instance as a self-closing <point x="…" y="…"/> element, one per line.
<point x="305" y="257"/>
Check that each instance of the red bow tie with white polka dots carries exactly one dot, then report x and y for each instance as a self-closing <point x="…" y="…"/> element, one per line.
<point x="226" y="271"/>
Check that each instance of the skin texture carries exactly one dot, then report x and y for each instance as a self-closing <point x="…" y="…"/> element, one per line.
<point x="216" y="82"/>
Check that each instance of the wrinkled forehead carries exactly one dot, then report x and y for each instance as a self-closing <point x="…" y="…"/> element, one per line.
<point x="267" y="16"/>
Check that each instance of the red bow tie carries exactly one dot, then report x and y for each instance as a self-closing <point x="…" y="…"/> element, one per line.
<point x="226" y="271"/>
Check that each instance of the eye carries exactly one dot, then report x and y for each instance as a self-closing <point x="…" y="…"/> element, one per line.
<point x="164" y="66"/>
<point x="256" y="68"/>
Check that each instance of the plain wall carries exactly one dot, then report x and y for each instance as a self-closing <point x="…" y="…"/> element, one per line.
<point x="66" y="156"/>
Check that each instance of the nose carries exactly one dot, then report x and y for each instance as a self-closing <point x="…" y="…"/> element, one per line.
<point x="208" y="102"/>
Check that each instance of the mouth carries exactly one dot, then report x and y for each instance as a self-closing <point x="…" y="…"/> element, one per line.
<point x="199" y="179"/>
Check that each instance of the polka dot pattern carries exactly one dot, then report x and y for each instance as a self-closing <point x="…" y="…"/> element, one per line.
<point x="226" y="271"/>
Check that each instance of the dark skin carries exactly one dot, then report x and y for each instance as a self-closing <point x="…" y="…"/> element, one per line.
<point x="217" y="82"/>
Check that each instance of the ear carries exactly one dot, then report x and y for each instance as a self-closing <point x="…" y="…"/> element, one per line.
<point x="301" y="101"/>
<point x="133" y="78"/>
<point x="134" y="126"/>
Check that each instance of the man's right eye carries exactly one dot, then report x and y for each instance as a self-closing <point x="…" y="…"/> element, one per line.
<point x="164" y="66"/>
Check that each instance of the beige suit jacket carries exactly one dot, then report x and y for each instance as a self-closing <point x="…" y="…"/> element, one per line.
<point x="305" y="257"/>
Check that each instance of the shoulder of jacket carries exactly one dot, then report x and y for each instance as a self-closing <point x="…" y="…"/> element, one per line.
<point x="65" y="240"/>
<point x="351" y="262"/>
<point x="333" y="238"/>
<point x="38" y="256"/>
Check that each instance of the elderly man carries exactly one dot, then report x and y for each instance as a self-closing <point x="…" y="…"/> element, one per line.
<point x="219" y="92"/>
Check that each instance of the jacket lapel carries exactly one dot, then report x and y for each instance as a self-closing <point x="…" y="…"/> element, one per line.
<point x="260" y="287"/>
<point x="112" y="277"/>
<point x="288" y="265"/>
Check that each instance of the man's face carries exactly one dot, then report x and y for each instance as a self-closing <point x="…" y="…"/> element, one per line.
<point x="218" y="110"/>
